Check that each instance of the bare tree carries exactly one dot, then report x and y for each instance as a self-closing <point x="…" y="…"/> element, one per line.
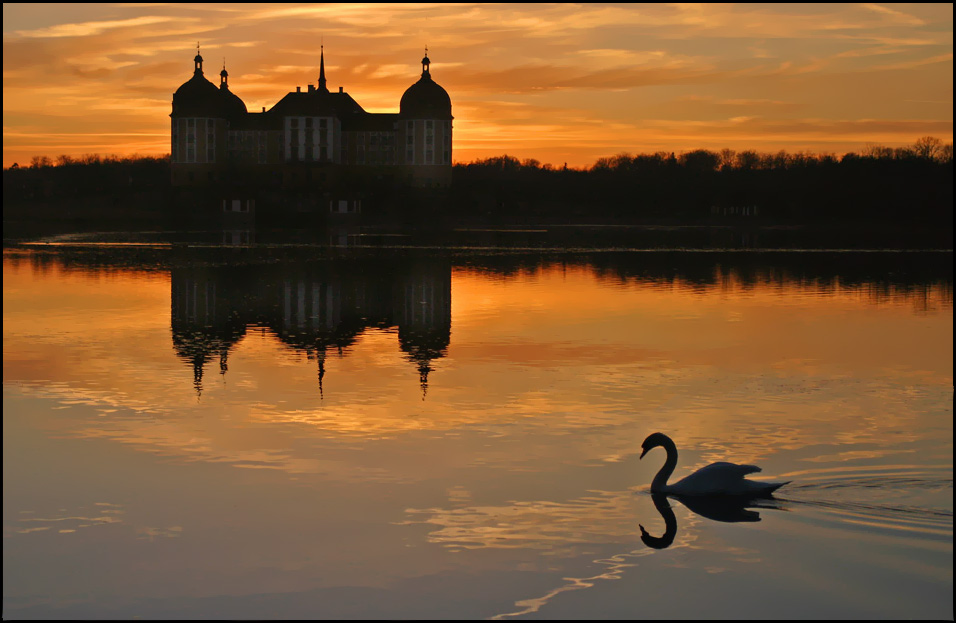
<point x="928" y="147"/>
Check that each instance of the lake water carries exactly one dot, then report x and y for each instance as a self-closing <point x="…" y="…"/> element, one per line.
<point x="302" y="431"/>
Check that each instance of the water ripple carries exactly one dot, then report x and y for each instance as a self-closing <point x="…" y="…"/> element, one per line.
<point x="915" y="501"/>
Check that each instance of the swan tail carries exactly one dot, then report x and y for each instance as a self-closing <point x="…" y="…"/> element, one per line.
<point x="773" y="486"/>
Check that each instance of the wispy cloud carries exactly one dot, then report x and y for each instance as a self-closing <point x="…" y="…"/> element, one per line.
<point x="897" y="16"/>
<point x="942" y="58"/>
<point x="88" y="29"/>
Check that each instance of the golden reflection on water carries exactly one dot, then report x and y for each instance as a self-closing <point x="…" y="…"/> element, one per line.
<point x="102" y="513"/>
<point x="497" y="407"/>
<point x="551" y="349"/>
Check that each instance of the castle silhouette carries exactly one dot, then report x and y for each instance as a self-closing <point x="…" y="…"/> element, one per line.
<point x="310" y="138"/>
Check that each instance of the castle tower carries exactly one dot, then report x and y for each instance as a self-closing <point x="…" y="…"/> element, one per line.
<point x="425" y="131"/>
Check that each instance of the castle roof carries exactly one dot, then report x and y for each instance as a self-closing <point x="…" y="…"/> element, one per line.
<point x="425" y="99"/>
<point x="316" y="104"/>
<point x="198" y="97"/>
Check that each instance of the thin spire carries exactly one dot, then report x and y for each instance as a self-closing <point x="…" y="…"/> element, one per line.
<point x="198" y="60"/>
<point x="425" y="64"/>
<point x="322" y="86"/>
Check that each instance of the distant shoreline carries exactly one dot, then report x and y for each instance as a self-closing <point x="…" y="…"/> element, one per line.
<point x="892" y="199"/>
<point x="544" y="235"/>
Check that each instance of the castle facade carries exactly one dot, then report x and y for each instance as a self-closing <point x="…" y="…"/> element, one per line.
<point x="310" y="138"/>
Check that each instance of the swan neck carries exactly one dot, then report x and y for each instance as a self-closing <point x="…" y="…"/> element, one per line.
<point x="670" y="524"/>
<point x="659" y="484"/>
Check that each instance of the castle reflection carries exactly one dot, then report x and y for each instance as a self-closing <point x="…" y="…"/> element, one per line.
<point x="319" y="298"/>
<point x="312" y="307"/>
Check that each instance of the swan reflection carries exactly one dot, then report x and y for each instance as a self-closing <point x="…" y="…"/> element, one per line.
<point x="727" y="509"/>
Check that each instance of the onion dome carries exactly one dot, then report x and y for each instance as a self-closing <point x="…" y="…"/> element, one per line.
<point x="232" y="105"/>
<point x="197" y="97"/>
<point x="425" y="99"/>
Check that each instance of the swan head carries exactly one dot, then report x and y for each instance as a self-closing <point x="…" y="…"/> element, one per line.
<point x="653" y="440"/>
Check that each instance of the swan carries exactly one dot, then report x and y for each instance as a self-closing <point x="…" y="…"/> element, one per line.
<point x="715" y="479"/>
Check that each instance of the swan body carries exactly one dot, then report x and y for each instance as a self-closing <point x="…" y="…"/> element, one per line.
<point x="715" y="479"/>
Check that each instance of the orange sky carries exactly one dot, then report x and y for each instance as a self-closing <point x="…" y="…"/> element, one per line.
<point x="560" y="83"/>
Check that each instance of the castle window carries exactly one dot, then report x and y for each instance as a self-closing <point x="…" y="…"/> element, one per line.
<point x="210" y="140"/>
<point x="308" y="122"/>
<point x="322" y="123"/>
<point x="429" y="156"/>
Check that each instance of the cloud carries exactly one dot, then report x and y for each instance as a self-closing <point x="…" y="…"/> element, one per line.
<point x="942" y="58"/>
<point x="88" y="29"/>
<point x="897" y="16"/>
<point x="387" y="71"/>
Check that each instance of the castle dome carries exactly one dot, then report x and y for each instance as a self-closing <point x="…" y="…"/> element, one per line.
<point x="197" y="97"/>
<point x="232" y="105"/>
<point x="425" y="99"/>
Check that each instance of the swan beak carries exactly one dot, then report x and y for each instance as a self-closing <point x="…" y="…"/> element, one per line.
<point x="642" y="454"/>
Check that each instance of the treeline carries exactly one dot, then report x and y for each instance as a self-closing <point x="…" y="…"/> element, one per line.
<point x="912" y="184"/>
<point x="88" y="175"/>
<point x="895" y="185"/>
<point x="92" y="191"/>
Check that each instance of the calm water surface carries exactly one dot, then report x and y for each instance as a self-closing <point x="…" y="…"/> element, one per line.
<point x="281" y="433"/>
